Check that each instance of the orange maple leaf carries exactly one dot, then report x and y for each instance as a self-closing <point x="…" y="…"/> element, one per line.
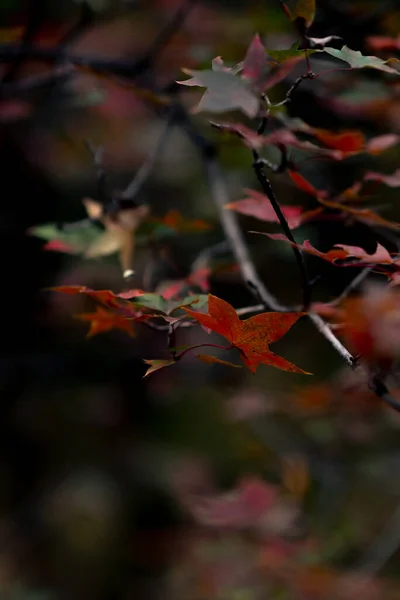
<point x="250" y="336"/>
<point x="104" y="320"/>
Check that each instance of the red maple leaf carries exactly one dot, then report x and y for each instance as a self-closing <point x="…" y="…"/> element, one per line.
<point x="250" y="336"/>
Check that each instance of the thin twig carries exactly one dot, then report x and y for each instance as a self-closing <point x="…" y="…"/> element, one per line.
<point x="268" y="191"/>
<point x="205" y="256"/>
<point x="293" y="88"/>
<point x="97" y="153"/>
<point x="326" y="331"/>
<point x="353" y="285"/>
<point x="257" y="308"/>
<point x="35" y="82"/>
<point x="171" y="28"/>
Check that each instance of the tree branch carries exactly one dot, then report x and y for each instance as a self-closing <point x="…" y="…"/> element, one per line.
<point x="234" y="234"/>
<point x="123" y="67"/>
<point x="379" y="388"/>
<point x="145" y="170"/>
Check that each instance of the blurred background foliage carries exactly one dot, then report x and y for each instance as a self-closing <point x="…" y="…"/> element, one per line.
<point x="201" y="481"/>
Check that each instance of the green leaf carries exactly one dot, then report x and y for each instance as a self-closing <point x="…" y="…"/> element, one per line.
<point x="156" y="365"/>
<point x="304" y="9"/>
<point x="78" y="238"/>
<point x="153" y="302"/>
<point x="292" y="52"/>
<point x="198" y="301"/>
<point x="225" y="92"/>
<point x="357" y="61"/>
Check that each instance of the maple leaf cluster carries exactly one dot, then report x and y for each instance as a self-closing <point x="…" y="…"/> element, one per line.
<point x="250" y="336"/>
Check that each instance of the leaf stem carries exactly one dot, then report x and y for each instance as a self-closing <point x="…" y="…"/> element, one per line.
<point x="179" y="356"/>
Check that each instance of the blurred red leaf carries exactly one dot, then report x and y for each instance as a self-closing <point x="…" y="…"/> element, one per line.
<point x="174" y="220"/>
<point x="118" y="302"/>
<point x="14" y="110"/>
<point x="58" y="246"/>
<point x="250" y="336"/>
<point x="370" y="323"/>
<point x="241" y="508"/>
<point x="380" y="43"/>
<point x="105" y="320"/>
<point x="390" y="180"/>
<point x="346" y="141"/>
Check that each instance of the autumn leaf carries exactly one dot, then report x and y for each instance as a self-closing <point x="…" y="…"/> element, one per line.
<point x="362" y="214"/>
<point x="157" y="364"/>
<point x="255" y="62"/>
<point x="357" y="61"/>
<point x="286" y="9"/>
<point x="304" y="9"/>
<point x="121" y="227"/>
<point x="250" y="336"/>
<point x="389" y="180"/>
<point x="76" y="239"/>
<point x="281" y="137"/>
<point x="239" y="508"/>
<point x="339" y="252"/>
<point x="117" y="302"/>
<point x="348" y="142"/>
<point x="105" y="320"/>
<point x="174" y="220"/>
<point x="380" y="43"/>
<point x="303" y="184"/>
<point x="166" y="306"/>
<point x="257" y="205"/>
<point x="225" y="92"/>
<point x="380" y="143"/>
